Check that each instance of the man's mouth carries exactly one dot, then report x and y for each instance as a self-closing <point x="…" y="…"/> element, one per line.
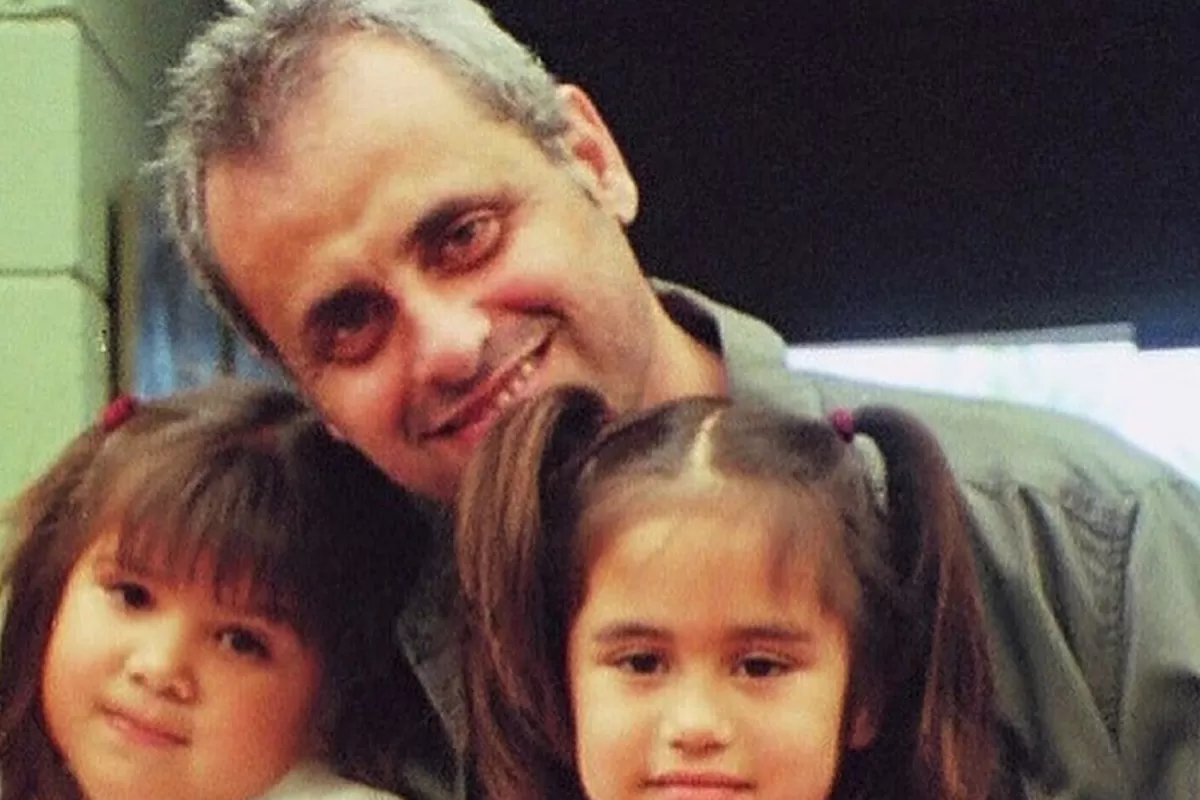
<point x="497" y="393"/>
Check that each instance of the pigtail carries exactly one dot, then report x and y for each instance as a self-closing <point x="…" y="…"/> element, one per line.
<point x="43" y="540"/>
<point x="943" y="673"/>
<point x="511" y="542"/>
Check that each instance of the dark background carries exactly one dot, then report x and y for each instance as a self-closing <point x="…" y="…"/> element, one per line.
<point x="868" y="169"/>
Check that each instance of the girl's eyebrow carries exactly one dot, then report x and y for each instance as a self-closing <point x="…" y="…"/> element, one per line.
<point x="617" y="632"/>
<point x="622" y="631"/>
<point x="777" y="633"/>
<point x="107" y="561"/>
<point x="257" y="608"/>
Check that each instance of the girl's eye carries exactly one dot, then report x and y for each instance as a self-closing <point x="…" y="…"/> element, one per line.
<point x="244" y="642"/>
<point x="762" y="667"/>
<point x="642" y="663"/>
<point x="130" y="595"/>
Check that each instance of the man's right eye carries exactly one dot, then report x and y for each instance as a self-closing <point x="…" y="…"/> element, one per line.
<point x="352" y="326"/>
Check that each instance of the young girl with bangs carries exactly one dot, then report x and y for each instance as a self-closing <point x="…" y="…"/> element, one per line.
<point x="199" y="604"/>
<point x="712" y="600"/>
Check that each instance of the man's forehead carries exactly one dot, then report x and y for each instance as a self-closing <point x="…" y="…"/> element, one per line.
<point x="372" y="69"/>
<point x="376" y="97"/>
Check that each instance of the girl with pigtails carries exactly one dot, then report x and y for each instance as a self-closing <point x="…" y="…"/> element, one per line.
<point x="708" y="599"/>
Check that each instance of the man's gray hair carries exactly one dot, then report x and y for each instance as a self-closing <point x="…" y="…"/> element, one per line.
<point x="253" y="65"/>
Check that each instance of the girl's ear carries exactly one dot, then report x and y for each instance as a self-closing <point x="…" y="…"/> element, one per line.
<point x="864" y="725"/>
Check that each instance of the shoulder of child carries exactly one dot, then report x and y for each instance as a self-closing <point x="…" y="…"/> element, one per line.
<point x="315" y="781"/>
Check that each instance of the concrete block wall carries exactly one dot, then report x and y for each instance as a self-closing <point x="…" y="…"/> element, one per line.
<point x="79" y="83"/>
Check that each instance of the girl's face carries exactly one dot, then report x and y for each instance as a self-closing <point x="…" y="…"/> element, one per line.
<point x="694" y="674"/>
<point x="151" y="688"/>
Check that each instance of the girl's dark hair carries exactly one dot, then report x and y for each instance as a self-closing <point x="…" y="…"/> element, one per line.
<point x="552" y="477"/>
<point x="246" y="477"/>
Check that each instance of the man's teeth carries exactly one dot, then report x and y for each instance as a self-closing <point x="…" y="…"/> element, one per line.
<point x="514" y="387"/>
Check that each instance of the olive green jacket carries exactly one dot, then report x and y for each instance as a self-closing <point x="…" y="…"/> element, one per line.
<point x="1089" y="556"/>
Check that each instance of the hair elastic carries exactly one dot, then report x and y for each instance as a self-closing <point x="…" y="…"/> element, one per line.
<point x="842" y="420"/>
<point x="118" y="412"/>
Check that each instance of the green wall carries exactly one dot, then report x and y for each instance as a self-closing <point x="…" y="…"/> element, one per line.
<point x="79" y="83"/>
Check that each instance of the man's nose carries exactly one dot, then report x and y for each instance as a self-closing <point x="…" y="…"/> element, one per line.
<point x="159" y="660"/>
<point x="450" y="334"/>
<point x="695" y="720"/>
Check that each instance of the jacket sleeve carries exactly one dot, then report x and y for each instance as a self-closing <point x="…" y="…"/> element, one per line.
<point x="1159" y="733"/>
<point x="1052" y="579"/>
<point x="1094" y="622"/>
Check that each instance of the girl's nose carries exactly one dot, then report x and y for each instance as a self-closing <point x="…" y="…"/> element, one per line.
<point x="159" y="661"/>
<point x="695" y="722"/>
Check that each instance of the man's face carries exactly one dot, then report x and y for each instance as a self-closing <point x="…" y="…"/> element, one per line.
<point x="419" y="266"/>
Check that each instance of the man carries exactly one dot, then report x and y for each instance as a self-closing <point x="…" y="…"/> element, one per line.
<point x="394" y="201"/>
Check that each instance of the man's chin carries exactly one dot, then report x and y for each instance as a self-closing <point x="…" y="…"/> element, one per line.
<point x="440" y="482"/>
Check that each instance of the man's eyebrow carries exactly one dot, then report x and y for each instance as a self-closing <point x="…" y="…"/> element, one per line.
<point x="437" y="218"/>
<point x="327" y="303"/>
<point x="444" y="213"/>
<point x="431" y="224"/>
<point x="434" y="219"/>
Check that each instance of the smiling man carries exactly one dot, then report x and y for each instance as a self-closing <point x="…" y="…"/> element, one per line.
<point x="398" y="204"/>
<point x="417" y="264"/>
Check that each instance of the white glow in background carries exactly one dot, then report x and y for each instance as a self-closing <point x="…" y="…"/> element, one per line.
<point x="1152" y="398"/>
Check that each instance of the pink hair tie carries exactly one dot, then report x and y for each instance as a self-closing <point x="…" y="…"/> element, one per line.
<point x="842" y="420"/>
<point x="118" y="412"/>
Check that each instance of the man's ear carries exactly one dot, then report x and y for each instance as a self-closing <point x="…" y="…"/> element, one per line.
<point x="594" y="157"/>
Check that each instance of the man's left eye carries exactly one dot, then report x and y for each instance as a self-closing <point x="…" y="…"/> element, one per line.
<point x="469" y="241"/>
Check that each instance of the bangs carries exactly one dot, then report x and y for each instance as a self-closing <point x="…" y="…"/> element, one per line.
<point x="805" y="532"/>
<point x="228" y="516"/>
<point x="241" y="579"/>
<point x="808" y="536"/>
